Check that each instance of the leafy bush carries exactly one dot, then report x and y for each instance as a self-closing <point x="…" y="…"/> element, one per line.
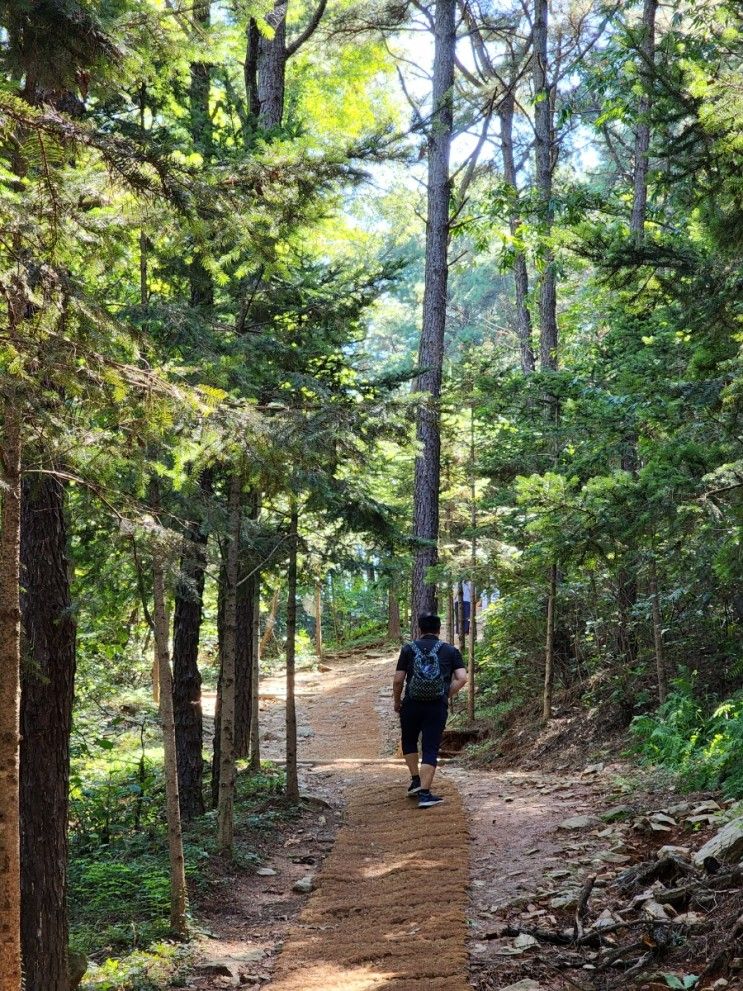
<point x="701" y="743"/>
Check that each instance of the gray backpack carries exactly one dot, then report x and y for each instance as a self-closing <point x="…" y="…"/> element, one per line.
<point x="426" y="683"/>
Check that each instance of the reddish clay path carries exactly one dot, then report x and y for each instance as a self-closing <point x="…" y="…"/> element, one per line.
<point x="389" y="912"/>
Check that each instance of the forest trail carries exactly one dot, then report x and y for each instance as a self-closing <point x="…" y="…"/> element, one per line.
<point x="389" y="911"/>
<point x="405" y="896"/>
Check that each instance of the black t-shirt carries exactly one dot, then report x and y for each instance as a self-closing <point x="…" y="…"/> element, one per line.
<point x="449" y="658"/>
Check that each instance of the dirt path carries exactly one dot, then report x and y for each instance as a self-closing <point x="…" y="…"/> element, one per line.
<point x="404" y="898"/>
<point x="389" y="911"/>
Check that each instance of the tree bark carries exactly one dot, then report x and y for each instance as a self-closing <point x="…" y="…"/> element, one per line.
<point x="202" y="135"/>
<point x="226" y="802"/>
<point x="393" y="616"/>
<point x="431" y="350"/>
<point x="188" y="612"/>
<point x="47" y="688"/>
<point x="450" y="614"/>
<point x="473" y="583"/>
<point x="178" y="892"/>
<point x="10" y="670"/>
<point x="642" y="132"/>
<point x="292" y="780"/>
<point x="544" y="160"/>
<point x="520" y="271"/>
<point x="247" y="592"/>
<point x="255" y="732"/>
<point x="549" y="651"/>
<point x="471" y="657"/>
<point x="318" y="621"/>
<point x="265" y="68"/>
<point x="660" y="660"/>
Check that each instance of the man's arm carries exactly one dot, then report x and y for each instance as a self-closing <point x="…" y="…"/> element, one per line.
<point x="398" y="682"/>
<point x="397" y="686"/>
<point x="458" y="681"/>
<point x="459" y="675"/>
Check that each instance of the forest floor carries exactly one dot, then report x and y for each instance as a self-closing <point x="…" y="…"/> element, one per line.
<point x="362" y="891"/>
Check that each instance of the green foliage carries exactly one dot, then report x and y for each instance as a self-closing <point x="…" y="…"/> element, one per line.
<point x="700" y="742"/>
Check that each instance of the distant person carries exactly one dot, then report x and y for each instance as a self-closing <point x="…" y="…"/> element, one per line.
<point x="432" y="672"/>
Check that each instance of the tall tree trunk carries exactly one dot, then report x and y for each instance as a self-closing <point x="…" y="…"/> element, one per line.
<point x="47" y="688"/>
<point x="660" y="660"/>
<point x="10" y="679"/>
<point x="642" y="132"/>
<point x="473" y="583"/>
<point x="292" y="780"/>
<point x="318" y="621"/>
<point x="544" y="154"/>
<point x="202" y="135"/>
<point x="450" y="614"/>
<point x="393" y="615"/>
<point x="247" y="592"/>
<point x="178" y="892"/>
<point x="265" y="68"/>
<point x="189" y="597"/>
<point x="520" y="271"/>
<point x="549" y="651"/>
<point x="255" y="732"/>
<point x="226" y="803"/>
<point x="431" y="350"/>
<point x="216" y="742"/>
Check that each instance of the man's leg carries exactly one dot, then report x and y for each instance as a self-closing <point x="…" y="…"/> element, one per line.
<point x="432" y="731"/>
<point x="410" y="731"/>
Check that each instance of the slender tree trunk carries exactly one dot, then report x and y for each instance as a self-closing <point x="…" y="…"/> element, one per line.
<point x="473" y="584"/>
<point x="642" y="132"/>
<point x="450" y="614"/>
<point x="318" y="621"/>
<point x="431" y="351"/>
<point x="549" y="651"/>
<point x="187" y="618"/>
<point x="292" y="781"/>
<point x="10" y="665"/>
<point x="660" y="661"/>
<point x="178" y="892"/>
<point x="544" y="153"/>
<point x="337" y="632"/>
<point x="200" y="278"/>
<point x="226" y="803"/>
<point x="268" y="632"/>
<point x="394" y="631"/>
<point x="244" y="663"/>
<point x="520" y="271"/>
<point x="47" y="688"/>
<point x="471" y="657"/>
<point x="255" y="729"/>
<point x="216" y="742"/>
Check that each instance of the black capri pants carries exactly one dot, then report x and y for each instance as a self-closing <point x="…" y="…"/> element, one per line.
<point x="426" y="720"/>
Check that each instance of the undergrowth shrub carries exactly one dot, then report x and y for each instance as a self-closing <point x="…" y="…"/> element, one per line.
<point x="700" y="741"/>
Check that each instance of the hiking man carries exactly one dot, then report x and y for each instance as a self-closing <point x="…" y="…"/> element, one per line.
<point x="434" y="672"/>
